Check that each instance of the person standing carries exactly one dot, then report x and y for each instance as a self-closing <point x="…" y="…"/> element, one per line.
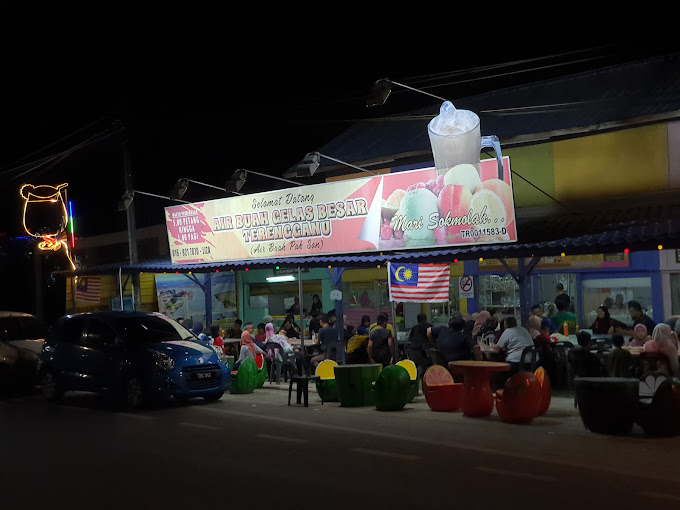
<point x="512" y="341"/>
<point x="381" y="343"/>
<point x="418" y="340"/>
<point x="562" y="297"/>
<point x="316" y="308"/>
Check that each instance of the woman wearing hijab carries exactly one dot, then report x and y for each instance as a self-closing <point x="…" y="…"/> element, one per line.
<point x="661" y="342"/>
<point x="604" y="324"/>
<point x="482" y="317"/>
<point x="640" y="336"/>
<point x="282" y="341"/>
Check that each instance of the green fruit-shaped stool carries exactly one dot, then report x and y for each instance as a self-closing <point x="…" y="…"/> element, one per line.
<point x="441" y="393"/>
<point x="520" y="399"/>
<point x="326" y="387"/>
<point x="608" y="405"/>
<point x="410" y="367"/>
<point x="245" y="379"/>
<point x="392" y="388"/>
<point x="261" y="370"/>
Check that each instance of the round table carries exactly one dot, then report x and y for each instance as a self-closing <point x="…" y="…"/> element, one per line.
<point x="477" y="395"/>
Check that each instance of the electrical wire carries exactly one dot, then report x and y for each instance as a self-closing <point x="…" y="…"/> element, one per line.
<point x="58" y="141"/>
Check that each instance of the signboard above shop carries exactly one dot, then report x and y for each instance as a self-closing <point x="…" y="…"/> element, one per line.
<point x="593" y="261"/>
<point x="417" y="209"/>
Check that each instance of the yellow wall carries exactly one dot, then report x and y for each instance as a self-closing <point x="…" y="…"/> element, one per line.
<point x="536" y="164"/>
<point x="618" y="163"/>
<point x="109" y="289"/>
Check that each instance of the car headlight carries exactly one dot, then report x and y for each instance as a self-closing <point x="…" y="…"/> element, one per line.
<point x="163" y="361"/>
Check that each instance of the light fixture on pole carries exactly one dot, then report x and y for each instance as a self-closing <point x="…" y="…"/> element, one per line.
<point x="310" y="164"/>
<point x="238" y="179"/>
<point x="180" y="188"/>
<point x="129" y="196"/>
<point x="382" y="89"/>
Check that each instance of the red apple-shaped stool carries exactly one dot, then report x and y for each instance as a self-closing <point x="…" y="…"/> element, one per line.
<point x="520" y="399"/>
<point x="546" y="390"/>
<point x="441" y="393"/>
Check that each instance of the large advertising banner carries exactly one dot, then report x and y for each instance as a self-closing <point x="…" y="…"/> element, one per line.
<point x="180" y="297"/>
<point x="405" y="210"/>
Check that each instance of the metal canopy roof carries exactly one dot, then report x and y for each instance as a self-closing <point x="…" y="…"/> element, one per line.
<point x="615" y="97"/>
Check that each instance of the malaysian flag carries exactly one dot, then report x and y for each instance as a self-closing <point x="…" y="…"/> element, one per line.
<point x="422" y="283"/>
<point x="89" y="289"/>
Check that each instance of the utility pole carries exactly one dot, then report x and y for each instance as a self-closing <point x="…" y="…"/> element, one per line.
<point x="131" y="221"/>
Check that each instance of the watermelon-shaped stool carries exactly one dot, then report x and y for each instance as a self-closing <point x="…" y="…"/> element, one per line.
<point x="608" y="405"/>
<point x="326" y="387"/>
<point x="410" y="367"/>
<point x="392" y="388"/>
<point x="245" y="379"/>
<point x="661" y="417"/>
<point x="261" y="370"/>
<point x="441" y="393"/>
<point x="520" y="398"/>
<point x="546" y="390"/>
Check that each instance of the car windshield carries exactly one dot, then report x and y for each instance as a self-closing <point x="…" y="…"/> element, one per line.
<point x="151" y="329"/>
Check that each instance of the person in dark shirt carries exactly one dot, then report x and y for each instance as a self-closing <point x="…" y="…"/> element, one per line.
<point x="583" y="362"/>
<point x="365" y="323"/>
<point x="620" y="361"/>
<point x="316" y="308"/>
<point x="236" y="331"/>
<point x="381" y="344"/>
<point x="418" y="340"/>
<point x="604" y="324"/>
<point x="328" y="342"/>
<point x="639" y="317"/>
<point x="292" y="329"/>
<point x="562" y="297"/>
<point x="454" y="343"/>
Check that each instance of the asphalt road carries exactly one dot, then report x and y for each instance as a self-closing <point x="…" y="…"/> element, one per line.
<point x="255" y="450"/>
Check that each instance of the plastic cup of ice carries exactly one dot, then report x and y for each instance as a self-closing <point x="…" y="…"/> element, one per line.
<point x="455" y="138"/>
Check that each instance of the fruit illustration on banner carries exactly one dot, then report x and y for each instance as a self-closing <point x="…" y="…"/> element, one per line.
<point x="488" y="209"/>
<point x="413" y="216"/>
<point x="464" y="175"/>
<point x="503" y="190"/>
<point x="454" y="200"/>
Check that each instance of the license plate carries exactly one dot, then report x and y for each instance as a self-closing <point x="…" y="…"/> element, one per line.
<point x="203" y="375"/>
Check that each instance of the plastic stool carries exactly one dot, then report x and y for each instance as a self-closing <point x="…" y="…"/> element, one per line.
<point x="302" y="387"/>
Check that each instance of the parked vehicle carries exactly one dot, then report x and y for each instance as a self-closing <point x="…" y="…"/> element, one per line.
<point x="136" y="356"/>
<point x="22" y="336"/>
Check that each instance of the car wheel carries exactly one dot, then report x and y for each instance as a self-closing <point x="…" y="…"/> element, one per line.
<point x="134" y="393"/>
<point x="214" y="396"/>
<point x="50" y="387"/>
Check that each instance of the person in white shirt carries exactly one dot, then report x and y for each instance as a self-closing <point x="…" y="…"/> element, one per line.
<point x="513" y="341"/>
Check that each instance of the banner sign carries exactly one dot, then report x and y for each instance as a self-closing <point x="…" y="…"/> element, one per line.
<point x="180" y="297"/>
<point x="405" y="210"/>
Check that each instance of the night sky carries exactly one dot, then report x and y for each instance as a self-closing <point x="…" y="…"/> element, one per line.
<point x="202" y="102"/>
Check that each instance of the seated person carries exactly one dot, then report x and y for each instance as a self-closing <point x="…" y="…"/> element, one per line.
<point x="604" y="324"/>
<point x="583" y="362"/>
<point x="287" y="350"/>
<point x="357" y="350"/>
<point x="512" y="341"/>
<point x="235" y="331"/>
<point x="563" y="316"/>
<point x="640" y="336"/>
<point x="291" y="331"/>
<point x="381" y="343"/>
<point x="662" y="343"/>
<point x="620" y="363"/>
<point x="327" y="340"/>
<point x="453" y="342"/>
<point x="537" y="310"/>
<point x="546" y="356"/>
<point x="261" y="335"/>
<point x="217" y="339"/>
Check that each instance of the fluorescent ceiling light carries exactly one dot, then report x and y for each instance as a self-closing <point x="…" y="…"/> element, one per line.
<point x="284" y="278"/>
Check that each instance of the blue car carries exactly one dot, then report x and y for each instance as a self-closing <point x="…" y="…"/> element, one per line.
<point x="136" y="356"/>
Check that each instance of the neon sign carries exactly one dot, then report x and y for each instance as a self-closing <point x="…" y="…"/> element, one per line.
<point x="45" y="216"/>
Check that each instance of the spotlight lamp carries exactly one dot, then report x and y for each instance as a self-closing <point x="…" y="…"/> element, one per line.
<point x="179" y="189"/>
<point x="309" y="164"/>
<point x="236" y="182"/>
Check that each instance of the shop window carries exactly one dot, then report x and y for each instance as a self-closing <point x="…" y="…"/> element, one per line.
<point x="675" y="293"/>
<point x="279" y="296"/>
<point x="544" y="290"/>
<point x="614" y="293"/>
<point x="500" y="292"/>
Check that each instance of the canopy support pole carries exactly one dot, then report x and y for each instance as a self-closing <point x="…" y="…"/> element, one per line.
<point x="522" y="277"/>
<point x="335" y="275"/>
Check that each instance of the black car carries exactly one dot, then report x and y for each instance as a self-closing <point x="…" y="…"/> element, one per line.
<point x="139" y="357"/>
